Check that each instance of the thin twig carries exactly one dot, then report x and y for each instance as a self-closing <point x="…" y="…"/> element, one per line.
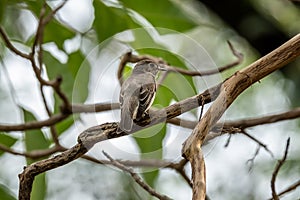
<point x="201" y="111"/>
<point x="258" y="142"/>
<point x="36" y="154"/>
<point x="34" y="124"/>
<point x="276" y="170"/>
<point x="251" y="160"/>
<point x="129" y="57"/>
<point x="137" y="178"/>
<point x="54" y="119"/>
<point x="179" y="167"/>
<point x="53" y="12"/>
<point x="289" y="189"/>
<point x="10" y="46"/>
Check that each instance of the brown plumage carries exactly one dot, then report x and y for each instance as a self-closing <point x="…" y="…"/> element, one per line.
<point x="137" y="93"/>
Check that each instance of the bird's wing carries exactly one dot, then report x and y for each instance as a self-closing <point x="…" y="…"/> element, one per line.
<point x="146" y="98"/>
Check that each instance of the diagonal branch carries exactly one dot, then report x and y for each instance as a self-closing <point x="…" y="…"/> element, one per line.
<point x="10" y="46"/>
<point x="129" y="57"/>
<point x="289" y="189"/>
<point x="276" y="170"/>
<point x="232" y="88"/>
<point x="136" y="177"/>
<point x="239" y="82"/>
<point x="88" y="138"/>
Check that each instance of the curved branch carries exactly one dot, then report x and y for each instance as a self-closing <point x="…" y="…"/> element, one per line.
<point x="34" y="124"/>
<point x="276" y="170"/>
<point x="88" y="138"/>
<point x="10" y="46"/>
<point x="54" y="119"/>
<point x="129" y="57"/>
<point x="233" y="87"/>
<point x="136" y="177"/>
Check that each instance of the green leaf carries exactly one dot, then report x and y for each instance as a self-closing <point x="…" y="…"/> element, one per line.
<point x="39" y="187"/>
<point x="6" y="140"/>
<point x="80" y="70"/>
<point x="6" y="194"/>
<point x="35" y="140"/>
<point x="3" y="4"/>
<point x="149" y="141"/>
<point x="110" y="20"/>
<point x="163" y="14"/>
<point x="34" y="6"/>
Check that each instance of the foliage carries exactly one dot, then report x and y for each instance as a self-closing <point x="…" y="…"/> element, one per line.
<point x="166" y="18"/>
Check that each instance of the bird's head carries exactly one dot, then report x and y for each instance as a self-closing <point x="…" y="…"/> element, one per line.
<point x="147" y="66"/>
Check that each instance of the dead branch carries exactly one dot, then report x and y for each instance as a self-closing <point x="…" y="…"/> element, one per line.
<point x="52" y="120"/>
<point x="129" y="57"/>
<point x="198" y="173"/>
<point x="258" y="142"/>
<point x="137" y="178"/>
<point x="88" y="138"/>
<point x="10" y="46"/>
<point x="289" y="189"/>
<point x="232" y="88"/>
<point x="29" y="173"/>
<point x="277" y="168"/>
<point x="33" y="154"/>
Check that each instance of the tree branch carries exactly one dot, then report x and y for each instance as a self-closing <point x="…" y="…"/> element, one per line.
<point x="136" y="177"/>
<point x="276" y="170"/>
<point x="129" y="57"/>
<point x="10" y="46"/>
<point x="233" y="87"/>
<point x="88" y="138"/>
<point x="52" y="120"/>
<point x="289" y="189"/>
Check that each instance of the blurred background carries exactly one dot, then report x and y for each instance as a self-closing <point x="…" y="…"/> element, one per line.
<point x="84" y="43"/>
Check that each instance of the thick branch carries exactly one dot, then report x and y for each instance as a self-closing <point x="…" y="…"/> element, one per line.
<point x="198" y="173"/>
<point x="88" y="138"/>
<point x="29" y="173"/>
<point x="240" y="81"/>
<point x="232" y="88"/>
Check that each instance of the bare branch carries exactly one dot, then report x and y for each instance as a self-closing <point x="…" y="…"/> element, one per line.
<point x="239" y="82"/>
<point x="277" y="168"/>
<point x="34" y="124"/>
<point x="232" y="88"/>
<point x="33" y="154"/>
<point x="29" y="173"/>
<point x="258" y="142"/>
<point x="10" y="46"/>
<point x="76" y="108"/>
<point x="198" y="173"/>
<point x="245" y="123"/>
<point x="251" y="160"/>
<point x="136" y="177"/>
<point x="290" y="188"/>
<point x="129" y="57"/>
<point x="91" y="108"/>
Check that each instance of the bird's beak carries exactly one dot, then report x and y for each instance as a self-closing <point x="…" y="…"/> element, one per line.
<point x="162" y="68"/>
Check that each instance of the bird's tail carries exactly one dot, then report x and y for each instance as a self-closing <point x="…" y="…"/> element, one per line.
<point x="126" y="122"/>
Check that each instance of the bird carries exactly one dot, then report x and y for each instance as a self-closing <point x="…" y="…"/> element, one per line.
<point x="137" y="93"/>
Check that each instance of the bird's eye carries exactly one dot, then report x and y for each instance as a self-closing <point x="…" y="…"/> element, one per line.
<point x="151" y="64"/>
